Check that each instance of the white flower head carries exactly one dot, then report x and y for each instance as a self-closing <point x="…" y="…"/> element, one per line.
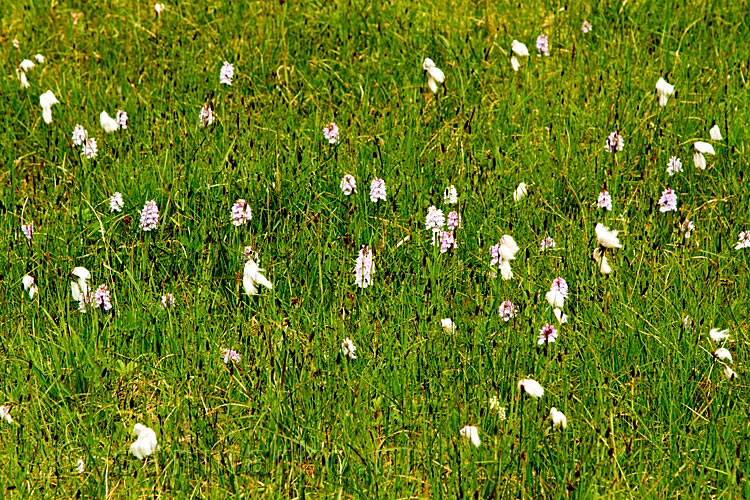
<point x="607" y="238"/>
<point x="80" y="466"/>
<point x="79" y="135"/>
<point x="252" y="277"/>
<point x="30" y="286"/>
<point x="108" y="123"/>
<point x="434" y="74"/>
<point x="116" y="202"/>
<point x="145" y="444"/>
<point x="664" y="90"/>
<point x="701" y="149"/>
<point x="26" y="65"/>
<point x="515" y="63"/>
<point x="448" y="325"/>
<point x="79" y="287"/>
<point x="601" y="260"/>
<point x="723" y="354"/>
<point x="435" y="219"/>
<point x="715" y="133"/>
<point x="558" y="418"/>
<point x="729" y="373"/>
<point x="718" y="335"/>
<point x="159" y="8"/>
<point x="743" y="240"/>
<point x="5" y="414"/>
<point x="519" y="49"/>
<point x="555" y="299"/>
<point x="531" y="387"/>
<point x="39" y="58"/>
<point x="520" y="192"/>
<point x="364" y="267"/>
<point x="472" y="433"/>
<point x="46" y="101"/>
<point x="226" y="75"/>
<point x="348" y="185"/>
<point x="450" y="195"/>
<point x="21" y="75"/>
<point x="348" y="348"/>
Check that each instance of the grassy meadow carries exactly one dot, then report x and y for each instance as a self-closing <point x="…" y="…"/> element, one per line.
<point x="650" y="412"/>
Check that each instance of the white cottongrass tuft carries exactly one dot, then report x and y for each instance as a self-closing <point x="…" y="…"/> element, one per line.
<point x="46" y="101"/>
<point x="252" y="276"/>
<point x="80" y="466"/>
<point x="108" y="123"/>
<point x="159" y="8"/>
<point x="5" y="414"/>
<point x="434" y="74"/>
<point x="702" y="148"/>
<point x="450" y="195"/>
<point x="723" y="354"/>
<point x="715" y="133"/>
<point x="743" y="240"/>
<point x="664" y="90"/>
<point x="26" y="65"/>
<point x="79" y="286"/>
<point x="607" y="238"/>
<point x="729" y="373"/>
<point x="21" y="75"/>
<point x="718" y="335"/>
<point x="39" y="58"/>
<point x="145" y="444"/>
<point x="520" y="192"/>
<point x="502" y="253"/>
<point x="348" y="348"/>
<point x="531" y="387"/>
<point x="558" y="418"/>
<point x="448" y="325"/>
<point x="471" y="433"/>
<point x="30" y="286"/>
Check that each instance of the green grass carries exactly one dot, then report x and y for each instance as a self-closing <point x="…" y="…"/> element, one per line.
<point x="650" y="412"/>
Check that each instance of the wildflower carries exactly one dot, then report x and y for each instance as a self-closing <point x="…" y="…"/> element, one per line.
<point x="348" y="348"/>
<point x="531" y="387"/>
<point x="39" y="58"/>
<point x="702" y="148"/>
<point x="586" y="27"/>
<point x="364" y="268"/>
<point x="547" y="333"/>
<point x="723" y="354"/>
<point x="664" y="90"/>
<point x="145" y="443"/>
<point x="743" y="240"/>
<point x="76" y="16"/>
<point x="507" y="310"/>
<point x="26" y="65"/>
<point x="80" y="467"/>
<point x="687" y="227"/>
<point x="718" y="335"/>
<point x="230" y="355"/>
<point x="80" y="287"/>
<point x="502" y="253"/>
<point x="715" y="133"/>
<point x="450" y="195"/>
<point x="249" y="253"/>
<point x="5" y="414"/>
<point x="102" y="298"/>
<point x="601" y="260"/>
<point x="558" y="418"/>
<point x="252" y="277"/>
<point x="472" y="433"/>
<point x="687" y="321"/>
<point x="495" y="406"/>
<point x="167" y="300"/>
<point x="519" y="50"/>
<point x="46" y="101"/>
<point x="28" y="230"/>
<point x="614" y="142"/>
<point x="674" y="165"/>
<point x="434" y="74"/>
<point x="546" y="244"/>
<point x="377" y="190"/>
<point x="79" y="135"/>
<point x="348" y="185"/>
<point x="520" y="192"/>
<point x="668" y="201"/>
<point x="604" y="201"/>
<point x="542" y="45"/>
<point x="331" y="133"/>
<point x="447" y="241"/>
<point x="29" y="286"/>
<point x="16" y="43"/>
<point x="108" y="123"/>
<point x="122" y="119"/>
<point x="21" y="75"/>
<point x="240" y="213"/>
<point x="226" y="74"/>
<point x="454" y="221"/>
<point x="435" y="219"/>
<point x="159" y="8"/>
<point x="115" y="202"/>
<point x="729" y="373"/>
<point x="206" y="116"/>
<point x="448" y="325"/>
<point x="149" y="216"/>
<point x="90" y="149"/>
